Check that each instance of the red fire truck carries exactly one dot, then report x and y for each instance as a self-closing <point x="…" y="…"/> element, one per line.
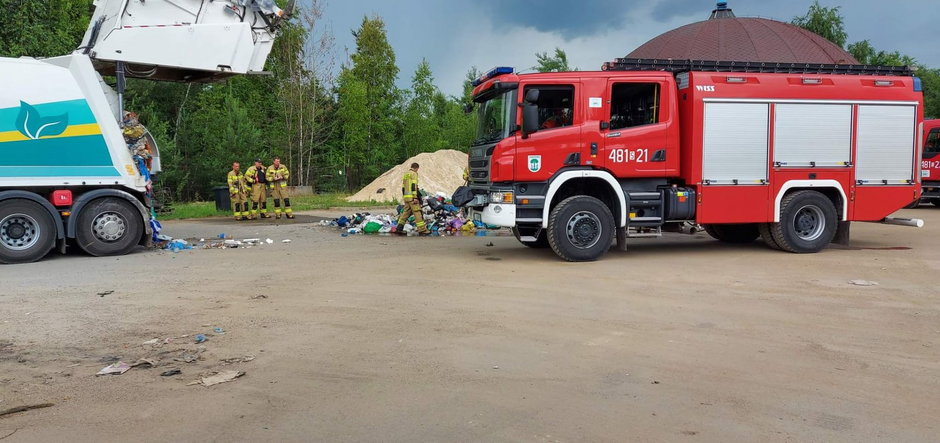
<point x="790" y="153"/>
<point x="930" y="164"/>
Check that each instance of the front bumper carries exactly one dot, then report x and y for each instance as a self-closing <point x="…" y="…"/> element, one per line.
<point x="495" y="214"/>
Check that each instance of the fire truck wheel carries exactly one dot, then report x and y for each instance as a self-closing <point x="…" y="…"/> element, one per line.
<point x="27" y="231"/>
<point x="108" y="226"/>
<point x="580" y="228"/>
<point x="767" y="235"/>
<point x="733" y="233"/>
<point x="540" y="243"/>
<point x="808" y="222"/>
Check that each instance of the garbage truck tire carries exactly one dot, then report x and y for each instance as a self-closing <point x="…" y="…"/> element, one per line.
<point x="109" y="226"/>
<point x="27" y="231"/>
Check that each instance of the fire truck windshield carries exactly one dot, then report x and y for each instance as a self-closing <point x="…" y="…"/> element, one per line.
<point x="496" y="118"/>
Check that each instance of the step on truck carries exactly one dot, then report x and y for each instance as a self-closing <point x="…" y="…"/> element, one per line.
<point x="67" y="176"/>
<point x="791" y="153"/>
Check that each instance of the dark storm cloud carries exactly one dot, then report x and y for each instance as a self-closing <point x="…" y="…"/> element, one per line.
<point x="567" y="18"/>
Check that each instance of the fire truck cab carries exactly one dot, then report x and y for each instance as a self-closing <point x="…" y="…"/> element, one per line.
<point x="930" y="163"/>
<point x="790" y="153"/>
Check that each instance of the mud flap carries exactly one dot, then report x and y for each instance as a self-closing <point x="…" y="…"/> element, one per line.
<point x="622" y="239"/>
<point x="842" y="233"/>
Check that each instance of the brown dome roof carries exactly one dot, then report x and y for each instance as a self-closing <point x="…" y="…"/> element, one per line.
<point x="726" y="37"/>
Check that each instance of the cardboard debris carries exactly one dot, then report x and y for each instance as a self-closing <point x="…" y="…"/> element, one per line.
<point x="218" y="377"/>
<point x="115" y="369"/>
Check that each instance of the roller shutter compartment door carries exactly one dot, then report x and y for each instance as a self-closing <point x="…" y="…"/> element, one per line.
<point x="734" y="143"/>
<point x="808" y="134"/>
<point x="885" y="146"/>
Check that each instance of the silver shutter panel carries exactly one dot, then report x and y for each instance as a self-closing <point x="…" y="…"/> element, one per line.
<point x="885" y="147"/>
<point x="735" y="143"/>
<point x="807" y="133"/>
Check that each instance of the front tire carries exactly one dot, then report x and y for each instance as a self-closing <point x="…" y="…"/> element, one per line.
<point x="580" y="228"/>
<point x="27" y="231"/>
<point x="109" y="226"/>
<point x="808" y="222"/>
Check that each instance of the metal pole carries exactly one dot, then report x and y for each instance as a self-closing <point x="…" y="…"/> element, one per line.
<point x="119" y="72"/>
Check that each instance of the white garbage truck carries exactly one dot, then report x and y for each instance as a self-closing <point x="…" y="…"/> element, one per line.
<point x="68" y="174"/>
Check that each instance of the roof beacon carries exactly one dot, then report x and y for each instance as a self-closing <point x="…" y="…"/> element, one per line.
<point x="495" y="72"/>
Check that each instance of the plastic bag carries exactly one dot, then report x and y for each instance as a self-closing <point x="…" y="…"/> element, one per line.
<point x="372" y="227"/>
<point x="462" y="196"/>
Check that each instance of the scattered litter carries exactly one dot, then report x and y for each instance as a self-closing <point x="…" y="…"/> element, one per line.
<point x="201" y="338"/>
<point x="222" y="235"/>
<point x="655" y="382"/>
<point x="218" y="377"/>
<point x="245" y="359"/>
<point x="144" y="362"/>
<point x="863" y="282"/>
<point x="495" y="367"/>
<point x="186" y="358"/>
<point x="259" y="296"/>
<point x="24" y="409"/>
<point x="286" y="240"/>
<point x="115" y="368"/>
<point x="269" y="241"/>
<point x="171" y="372"/>
<point x="108" y="292"/>
<point x="151" y="342"/>
<point x="489" y="244"/>
<point x="218" y="330"/>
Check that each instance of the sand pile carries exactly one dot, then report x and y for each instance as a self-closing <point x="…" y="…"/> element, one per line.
<point x="440" y="171"/>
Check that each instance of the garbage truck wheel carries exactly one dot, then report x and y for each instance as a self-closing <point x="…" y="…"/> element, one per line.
<point x="109" y="226"/>
<point x="27" y="231"/>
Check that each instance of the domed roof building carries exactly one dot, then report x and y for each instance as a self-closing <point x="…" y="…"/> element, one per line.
<point x="727" y="37"/>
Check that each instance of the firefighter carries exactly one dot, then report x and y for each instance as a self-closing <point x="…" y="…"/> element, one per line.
<point x="256" y="177"/>
<point x="237" y="190"/>
<point x="412" y="202"/>
<point x="277" y="181"/>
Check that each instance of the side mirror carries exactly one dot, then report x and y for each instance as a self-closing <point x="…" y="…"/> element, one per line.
<point x="530" y="118"/>
<point x="532" y="96"/>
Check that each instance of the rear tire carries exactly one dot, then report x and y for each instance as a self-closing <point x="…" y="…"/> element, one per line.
<point x="808" y="222"/>
<point x="733" y="233"/>
<point x="109" y="226"/>
<point x="541" y="241"/>
<point x="580" y="228"/>
<point x="27" y="231"/>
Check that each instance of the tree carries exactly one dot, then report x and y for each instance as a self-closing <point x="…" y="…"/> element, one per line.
<point x="42" y="28"/>
<point x="421" y="131"/>
<point x="866" y="54"/>
<point x="827" y="22"/>
<point x="352" y="114"/>
<point x="373" y="64"/>
<point x="552" y="63"/>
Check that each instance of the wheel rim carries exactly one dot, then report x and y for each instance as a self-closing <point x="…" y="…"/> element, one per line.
<point x="809" y="223"/>
<point x="109" y="226"/>
<point x="584" y="229"/>
<point x="19" y="232"/>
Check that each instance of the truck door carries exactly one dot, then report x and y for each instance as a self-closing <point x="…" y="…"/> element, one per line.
<point x="640" y="140"/>
<point x="930" y="164"/>
<point x="558" y="140"/>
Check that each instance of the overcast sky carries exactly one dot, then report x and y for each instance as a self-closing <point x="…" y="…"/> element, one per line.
<point x="454" y="35"/>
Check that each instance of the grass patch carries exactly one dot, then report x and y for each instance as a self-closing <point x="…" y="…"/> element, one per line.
<point x="299" y="203"/>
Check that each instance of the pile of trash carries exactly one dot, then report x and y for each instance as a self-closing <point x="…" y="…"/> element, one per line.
<point x="221" y="242"/>
<point x="440" y="216"/>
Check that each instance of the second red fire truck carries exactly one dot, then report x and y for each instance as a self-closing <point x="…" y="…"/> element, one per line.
<point x="789" y="153"/>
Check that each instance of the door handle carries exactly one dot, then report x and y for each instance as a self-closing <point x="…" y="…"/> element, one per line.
<point x="613" y="135"/>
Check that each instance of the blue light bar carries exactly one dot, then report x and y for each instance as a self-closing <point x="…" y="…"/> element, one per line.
<point x="495" y="72"/>
<point x="918" y="85"/>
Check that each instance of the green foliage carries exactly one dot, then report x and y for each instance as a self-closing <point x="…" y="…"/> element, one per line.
<point x="866" y="54"/>
<point x="42" y="28"/>
<point x="827" y="22"/>
<point x="203" y="209"/>
<point x="552" y="63"/>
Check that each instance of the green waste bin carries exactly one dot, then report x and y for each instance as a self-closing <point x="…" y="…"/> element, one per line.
<point x="223" y="201"/>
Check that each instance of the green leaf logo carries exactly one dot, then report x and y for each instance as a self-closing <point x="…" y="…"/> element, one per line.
<point x="33" y="126"/>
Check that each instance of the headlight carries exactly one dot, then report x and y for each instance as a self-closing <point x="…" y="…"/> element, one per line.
<point x="501" y="197"/>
